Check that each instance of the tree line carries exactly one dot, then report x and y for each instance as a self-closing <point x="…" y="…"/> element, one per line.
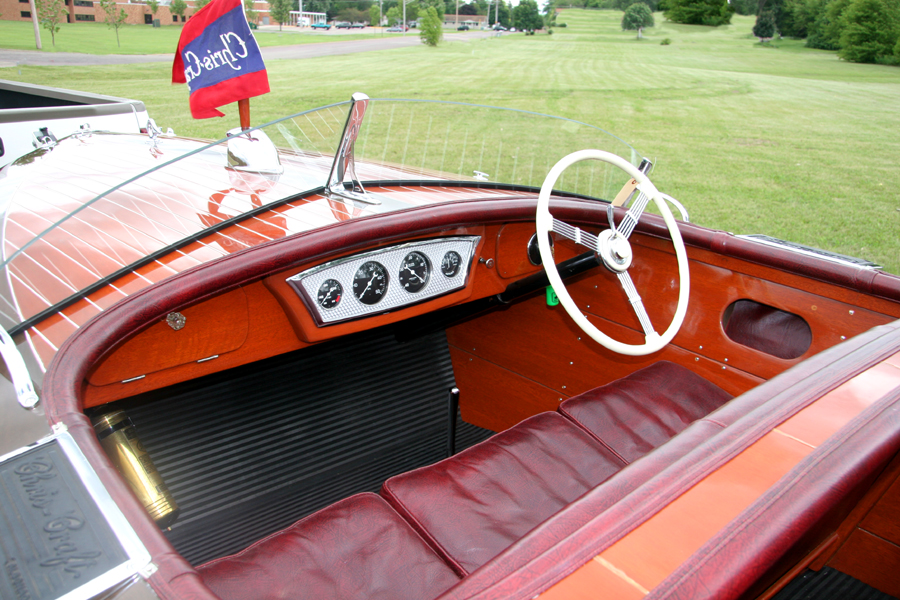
<point x="866" y="31"/>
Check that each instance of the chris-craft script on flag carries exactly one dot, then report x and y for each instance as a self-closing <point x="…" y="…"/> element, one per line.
<point x="218" y="58"/>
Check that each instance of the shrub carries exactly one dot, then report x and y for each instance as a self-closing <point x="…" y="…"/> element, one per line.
<point x="699" y="12"/>
<point x="431" y="28"/>
<point x="870" y="32"/>
<point x="665" y="42"/>
<point x="765" y="25"/>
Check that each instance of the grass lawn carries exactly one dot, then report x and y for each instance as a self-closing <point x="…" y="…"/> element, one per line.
<point x="781" y="140"/>
<point x="98" y="38"/>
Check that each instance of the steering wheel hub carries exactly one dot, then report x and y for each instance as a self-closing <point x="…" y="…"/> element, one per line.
<point x="615" y="250"/>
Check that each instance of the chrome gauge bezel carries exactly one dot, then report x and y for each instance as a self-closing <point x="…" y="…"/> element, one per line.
<point x="308" y="283"/>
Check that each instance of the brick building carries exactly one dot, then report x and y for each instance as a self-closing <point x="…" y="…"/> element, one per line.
<point x="90" y="11"/>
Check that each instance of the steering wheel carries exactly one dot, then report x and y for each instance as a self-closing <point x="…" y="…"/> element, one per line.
<point x="614" y="249"/>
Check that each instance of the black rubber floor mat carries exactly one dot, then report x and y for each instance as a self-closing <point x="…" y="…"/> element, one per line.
<point x="829" y="584"/>
<point x="249" y="451"/>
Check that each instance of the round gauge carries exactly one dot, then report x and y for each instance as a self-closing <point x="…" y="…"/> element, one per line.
<point x="451" y="264"/>
<point x="330" y="293"/>
<point x="414" y="272"/>
<point x="370" y="282"/>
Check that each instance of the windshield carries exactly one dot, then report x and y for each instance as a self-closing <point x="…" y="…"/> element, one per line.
<point x="97" y="208"/>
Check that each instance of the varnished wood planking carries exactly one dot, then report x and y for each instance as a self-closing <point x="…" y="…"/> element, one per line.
<point x="269" y="334"/>
<point x="870" y="559"/>
<point x="884" y="519"/>
<point x="217" y="326"/>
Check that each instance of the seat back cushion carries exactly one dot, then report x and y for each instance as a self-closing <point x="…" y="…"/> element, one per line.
<point x="358" y="548"/>
<point x="639" y="412"/>
<point x="471" y="506"/>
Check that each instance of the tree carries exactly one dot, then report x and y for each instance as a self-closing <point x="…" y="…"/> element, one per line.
<point x="153" y="5"/>
<point x="178" y="7"/>
<point x="438" y="6"/>
<point x="114" y="19"/>
<point x="699" y="12"/>
<point x="252" y="15"/>
<point x="394" y="15"/>
<point x="637" y="16"/>
<point x="526" y="16"/>
<point x="505" y="17"/>
<point x="431" y="26"/>
<point x="870" y="31"/>
<point x="280" y="11"/>
<point x="50" y="15"/>
<point x="764" y="28"/>
<point x="374" y="15"/>
<point x="198" y="4"/>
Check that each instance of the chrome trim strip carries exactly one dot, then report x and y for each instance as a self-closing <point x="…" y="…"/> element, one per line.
<point x="18" y="372"/>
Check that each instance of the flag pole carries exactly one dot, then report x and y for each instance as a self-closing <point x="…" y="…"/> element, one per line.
<point x="244" y="112"/>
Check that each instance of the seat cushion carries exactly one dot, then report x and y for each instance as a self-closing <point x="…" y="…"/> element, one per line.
<point x="356" y="548"/>
<point x="642" y="411"/>
<point x="473" y="505"/>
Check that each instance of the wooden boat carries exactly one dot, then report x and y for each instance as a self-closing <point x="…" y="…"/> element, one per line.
<point x="321" y="359"/>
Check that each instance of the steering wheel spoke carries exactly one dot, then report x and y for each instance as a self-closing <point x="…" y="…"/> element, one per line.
<point x="635" y="300"/>
<point x="576" y="234"/>
<point x="614" y="249"/>
<point x="626" y="227"/>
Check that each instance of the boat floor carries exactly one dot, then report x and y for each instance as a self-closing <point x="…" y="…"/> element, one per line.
<point x="248" y="451"/>
<point x="829" y="584"/>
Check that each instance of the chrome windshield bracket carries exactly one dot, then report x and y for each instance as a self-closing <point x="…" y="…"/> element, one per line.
<point x="344" y="166"/>
<point x="18" y="372"/>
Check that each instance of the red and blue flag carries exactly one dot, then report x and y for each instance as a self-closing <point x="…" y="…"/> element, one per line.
<point x="219" y="59"/>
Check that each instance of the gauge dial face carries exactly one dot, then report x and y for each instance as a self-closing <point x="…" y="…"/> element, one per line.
<point x="330" y="293"/>
<point x="370" y="282"/>
<point x="451" y="264"/>
<point x="414" y="272"/>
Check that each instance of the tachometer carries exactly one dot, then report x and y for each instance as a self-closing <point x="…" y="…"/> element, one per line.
<point x="414" y="272"/>
<point x="370" y="282"/>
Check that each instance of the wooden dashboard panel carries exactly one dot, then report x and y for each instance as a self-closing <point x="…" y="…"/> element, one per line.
<point x="522" y="340"/>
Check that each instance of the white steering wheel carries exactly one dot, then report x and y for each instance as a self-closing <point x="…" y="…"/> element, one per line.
<point x="614" y="249"/>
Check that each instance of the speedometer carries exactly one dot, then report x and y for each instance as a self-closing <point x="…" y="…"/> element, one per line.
<point x="370" y="282"/>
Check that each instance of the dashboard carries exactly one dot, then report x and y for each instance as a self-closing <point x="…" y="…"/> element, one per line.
<point x="385" y="279"/>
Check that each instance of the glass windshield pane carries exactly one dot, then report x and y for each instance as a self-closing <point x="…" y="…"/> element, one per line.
<point x="97" y="205"/>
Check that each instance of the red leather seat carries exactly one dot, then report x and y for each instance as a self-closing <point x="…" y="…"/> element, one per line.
<point x="637" y="413"/>
<point x="471" y="506"/>
<point x="358" y="548"/>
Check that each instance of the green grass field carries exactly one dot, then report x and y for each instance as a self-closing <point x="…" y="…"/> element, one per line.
<point x="98" y="38"/>
<point x="781" y="140"/>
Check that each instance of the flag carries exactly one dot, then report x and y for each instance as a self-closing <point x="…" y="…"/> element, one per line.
<point x="218" y="58"/>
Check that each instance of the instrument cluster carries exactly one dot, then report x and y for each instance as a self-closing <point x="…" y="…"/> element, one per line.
<point x="385" y="279"/>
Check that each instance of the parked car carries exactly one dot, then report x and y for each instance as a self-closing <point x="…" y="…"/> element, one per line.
<point x="324" y="26"/>
<point x="343" y="25"/>
<point x="395" y="29"/>
<point x="462" y="28"/>
<point x="216" y="350"/>
<point x="358" y="26"/>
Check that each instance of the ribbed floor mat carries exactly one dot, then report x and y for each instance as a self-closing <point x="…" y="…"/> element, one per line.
<point x="248" y="451"/>
<point x="828" y="584"/>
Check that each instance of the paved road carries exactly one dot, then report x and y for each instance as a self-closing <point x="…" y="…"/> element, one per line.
<point x="12" y="58"/>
